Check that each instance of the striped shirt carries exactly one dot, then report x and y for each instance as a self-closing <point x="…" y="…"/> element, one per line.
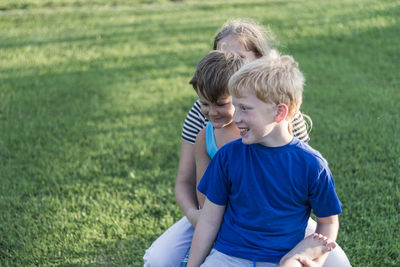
<point x="195" y="122"/>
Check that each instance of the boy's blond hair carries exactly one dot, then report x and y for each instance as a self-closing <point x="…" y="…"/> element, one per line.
<point x="275" y="81"/>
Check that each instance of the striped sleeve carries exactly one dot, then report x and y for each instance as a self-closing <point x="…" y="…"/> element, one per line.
<point x="194" y="122"/>
<point x="299" y="127"/>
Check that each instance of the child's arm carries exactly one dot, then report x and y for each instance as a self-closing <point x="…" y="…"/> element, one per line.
<point x="202" y="160"/>
<point x="185" y="185"/>
<point x="312" y="250"/>
<point x="329" y="227"/>
<point x="205" y="233"/>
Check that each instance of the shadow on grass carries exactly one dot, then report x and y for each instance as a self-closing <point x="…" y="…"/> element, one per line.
<point x="88" y="158"/>
<point x="352" y="96"/>
<point x="70" y="145"/>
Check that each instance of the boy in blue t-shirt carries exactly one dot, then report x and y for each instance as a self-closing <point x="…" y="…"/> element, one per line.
<point x="260" y="189"/>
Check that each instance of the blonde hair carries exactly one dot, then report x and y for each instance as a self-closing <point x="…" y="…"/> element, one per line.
<point x="274" y="81"/>
<point x="251" y="35"/>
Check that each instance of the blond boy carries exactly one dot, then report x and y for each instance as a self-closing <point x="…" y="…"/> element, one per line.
<point x="260" y="189"/>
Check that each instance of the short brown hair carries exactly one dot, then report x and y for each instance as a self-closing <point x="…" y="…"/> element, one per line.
<point x="213" y="73"/>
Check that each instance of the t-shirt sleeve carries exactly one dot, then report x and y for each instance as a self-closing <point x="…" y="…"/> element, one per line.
<point x="322" y="195"/>
<point x="215" y="183"/>
<point x="194" y="122"/>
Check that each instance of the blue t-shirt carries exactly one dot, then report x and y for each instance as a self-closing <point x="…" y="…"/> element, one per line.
<point x="269" y="193"/>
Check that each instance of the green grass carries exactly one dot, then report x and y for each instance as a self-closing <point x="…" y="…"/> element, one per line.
<point x="93" y="95"/>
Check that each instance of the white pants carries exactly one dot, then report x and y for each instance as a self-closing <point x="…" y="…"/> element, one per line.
<point x="216" y="258"/>
<point x="170" y="248"/>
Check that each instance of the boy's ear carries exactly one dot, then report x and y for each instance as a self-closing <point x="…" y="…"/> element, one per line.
<point x="281" y="113"/>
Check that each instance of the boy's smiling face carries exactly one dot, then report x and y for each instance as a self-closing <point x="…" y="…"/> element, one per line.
<point x="254" y="118"/>
<point x="220" y="114"/>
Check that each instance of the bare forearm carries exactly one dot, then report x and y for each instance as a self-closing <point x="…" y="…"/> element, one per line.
<point x="187" y="201"/>
<point x="205" y="233"/>
<point x="185" y="186"/>
<point x="328" y="227"/>
<point x="202" y="242"/>
<point x="185" y="195"/>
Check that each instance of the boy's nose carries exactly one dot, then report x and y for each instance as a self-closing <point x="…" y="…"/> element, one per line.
<point x="212" y="111"/>
<point x="236" y="117"/>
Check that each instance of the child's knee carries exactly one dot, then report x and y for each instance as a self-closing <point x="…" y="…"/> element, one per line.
<point x="151" y="259"/>
<point x="337" y="257"/>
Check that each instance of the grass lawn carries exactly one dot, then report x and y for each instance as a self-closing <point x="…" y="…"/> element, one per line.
<point x="93" y="95"/>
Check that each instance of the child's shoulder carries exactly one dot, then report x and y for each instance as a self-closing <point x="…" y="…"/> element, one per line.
<point x="308" y="153"/>
<point x="232" y="145"/>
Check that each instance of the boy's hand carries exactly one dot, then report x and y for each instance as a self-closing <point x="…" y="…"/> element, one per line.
<point x="193" y="216"/>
